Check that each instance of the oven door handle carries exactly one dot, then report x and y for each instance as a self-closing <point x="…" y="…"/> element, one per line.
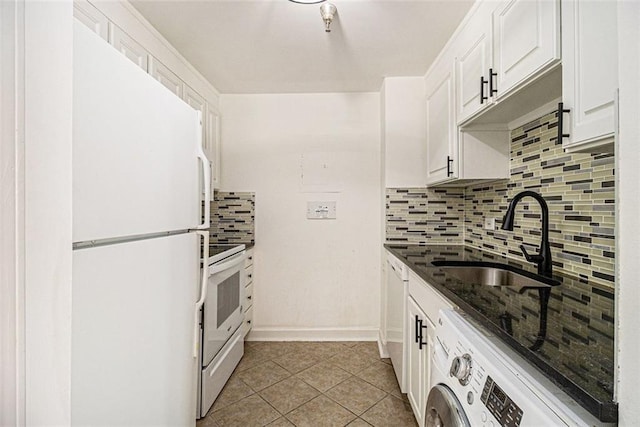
<point x="227" y="264"/>
<point x="203" y="293"/>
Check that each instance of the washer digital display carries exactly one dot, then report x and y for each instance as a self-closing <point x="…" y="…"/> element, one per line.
<point x="506" y="412"/>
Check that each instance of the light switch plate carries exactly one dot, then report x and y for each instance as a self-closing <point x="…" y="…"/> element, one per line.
<point x="321" y="210"/>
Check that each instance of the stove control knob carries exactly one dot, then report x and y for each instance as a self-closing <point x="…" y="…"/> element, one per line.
<point x="461" y="368"/>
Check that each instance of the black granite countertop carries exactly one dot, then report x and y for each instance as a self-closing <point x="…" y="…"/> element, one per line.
<point x="576" y="351"/>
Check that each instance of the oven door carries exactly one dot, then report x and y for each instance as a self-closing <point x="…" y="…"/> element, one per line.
<point x="222" y="311"/>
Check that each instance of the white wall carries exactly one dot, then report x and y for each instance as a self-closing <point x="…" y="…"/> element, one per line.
<point x="314" y="279"/>
<point x="628" y="202"/>
<point x="404" y="132"/>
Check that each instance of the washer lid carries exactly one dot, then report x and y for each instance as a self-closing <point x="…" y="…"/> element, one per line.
<point x="444" y="409"/>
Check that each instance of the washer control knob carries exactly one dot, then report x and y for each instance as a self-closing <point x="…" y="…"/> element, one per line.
<point x="461" y="368"/>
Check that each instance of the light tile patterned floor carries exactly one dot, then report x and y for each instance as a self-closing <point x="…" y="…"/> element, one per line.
<point x="313" y="384"/>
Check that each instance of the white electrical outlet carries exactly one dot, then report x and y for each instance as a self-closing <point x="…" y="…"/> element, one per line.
<point x="321" y="210"/>
<point x="489" y="223"/>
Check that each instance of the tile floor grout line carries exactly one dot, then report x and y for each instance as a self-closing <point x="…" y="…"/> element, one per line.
<point x="329" y="355"/>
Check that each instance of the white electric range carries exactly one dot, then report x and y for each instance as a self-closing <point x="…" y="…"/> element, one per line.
<point x="221" y="317"/>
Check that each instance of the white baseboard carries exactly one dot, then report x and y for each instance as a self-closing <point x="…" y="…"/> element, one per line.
<point x="312" y="334"/>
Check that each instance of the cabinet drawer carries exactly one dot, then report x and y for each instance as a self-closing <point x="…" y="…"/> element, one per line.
<point x="248" y="321"/>
<point x="248" y="261"/>
<point x="248" y="297"/>
<point x="429" y="300"/>
<point x="248" y="272"/>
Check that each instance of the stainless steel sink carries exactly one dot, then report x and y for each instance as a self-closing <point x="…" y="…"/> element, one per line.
<point x="492" y="276"/>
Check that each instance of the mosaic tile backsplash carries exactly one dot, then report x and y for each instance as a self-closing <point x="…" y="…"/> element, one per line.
<point x="579" y="189"/>
<point x="232" y="218"/>
<point x="421" y="216"/>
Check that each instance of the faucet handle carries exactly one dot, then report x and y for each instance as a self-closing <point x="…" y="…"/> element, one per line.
<point x="531" y="258"/>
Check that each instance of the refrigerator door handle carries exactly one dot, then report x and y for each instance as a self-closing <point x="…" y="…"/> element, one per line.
<point x="206" y="177"/>
<point x="203" y="292"/>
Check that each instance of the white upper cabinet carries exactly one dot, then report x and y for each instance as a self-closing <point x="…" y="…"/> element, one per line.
<point x="589" y="72"/>
<point x="128" y="46"/>
<point x="504" y="48"/>
<point x="196" y="102"/>
<point x="167" y="77"/>
<point x="473" y="61"/>
<point x="86" y="13"/>
<point x="442" y="142"/>
<point x="526" y="41"/>
<point x="459" y="157"/>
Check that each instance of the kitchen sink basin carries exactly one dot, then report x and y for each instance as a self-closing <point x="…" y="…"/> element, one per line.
<point x="491" y="274"/>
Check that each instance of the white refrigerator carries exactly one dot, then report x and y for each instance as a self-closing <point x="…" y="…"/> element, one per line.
<point x="137" y="160"/>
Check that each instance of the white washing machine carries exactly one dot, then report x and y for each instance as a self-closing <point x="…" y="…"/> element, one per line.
<point x="477" y="381"/>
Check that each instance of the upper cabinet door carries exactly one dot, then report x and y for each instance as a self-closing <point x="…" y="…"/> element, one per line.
<point x="473" y="61"/>
<point x="589" y="71"/>
<point x="442" y="149"/>
<point x="526" y="39"/>
<point x="168" y="78"/>
<point x="86" y="13"/>
<point x="129" y="47"/>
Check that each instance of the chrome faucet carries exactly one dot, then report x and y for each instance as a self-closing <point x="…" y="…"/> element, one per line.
<point x="543" y="258"/>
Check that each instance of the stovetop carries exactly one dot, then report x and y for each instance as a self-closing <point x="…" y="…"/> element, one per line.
<point x="219" y="252"/>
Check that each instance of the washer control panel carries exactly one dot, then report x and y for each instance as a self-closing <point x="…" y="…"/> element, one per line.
<point x="500" y="405"/>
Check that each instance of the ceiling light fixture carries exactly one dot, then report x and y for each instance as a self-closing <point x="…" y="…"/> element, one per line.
<point x="307" y="1"/>
<point x="327" y="11"/>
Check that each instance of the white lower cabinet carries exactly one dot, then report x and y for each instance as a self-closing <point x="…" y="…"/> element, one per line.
<point x="420" y="345"/>
<point x="423" y="306"/>
<point x="247" y="303"/>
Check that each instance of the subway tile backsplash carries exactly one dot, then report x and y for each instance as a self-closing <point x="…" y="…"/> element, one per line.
<point x="232" y="218"/>
<point x="579" y="189"/>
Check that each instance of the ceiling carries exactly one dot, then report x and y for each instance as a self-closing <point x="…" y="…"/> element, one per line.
<point x="276" y="46"/>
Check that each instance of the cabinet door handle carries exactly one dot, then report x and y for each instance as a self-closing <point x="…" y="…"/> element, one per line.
<point x="449" y="166"/>
<point x="561" y="111"/>
<point x="419" y="335"/>
<point x="492" y="90"/>
<point x="483" y="97"/>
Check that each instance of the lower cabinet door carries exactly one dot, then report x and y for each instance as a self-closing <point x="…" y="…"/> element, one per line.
<point x="418" y="362"/>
